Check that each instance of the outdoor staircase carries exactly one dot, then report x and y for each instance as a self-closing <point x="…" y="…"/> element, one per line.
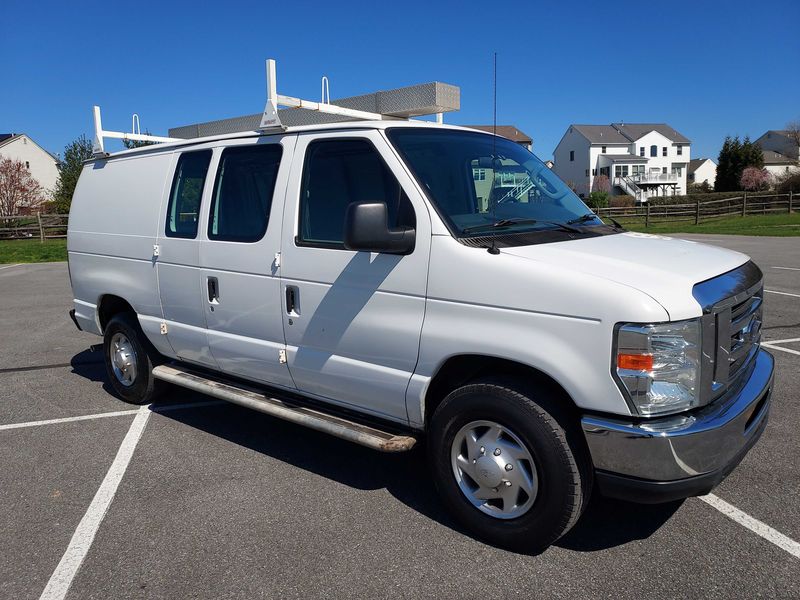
<point x="629" y="186"/>
<point x="517" y="192"/>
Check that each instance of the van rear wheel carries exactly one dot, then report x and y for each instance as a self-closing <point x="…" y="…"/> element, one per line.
<point x="509" y="463"/>
<point x="129" y="361"/>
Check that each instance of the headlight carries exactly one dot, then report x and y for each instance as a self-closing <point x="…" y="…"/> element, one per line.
<point x="658" y="366"/>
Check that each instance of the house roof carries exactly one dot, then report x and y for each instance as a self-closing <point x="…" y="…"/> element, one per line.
<point x="695" y="163"/>
<point x="624" y="158"/>
<point x="633" y="131"/>
<point x="625" y="133"/>
<point x="506" y="131"/>
<point x="7" y="138"/>
<point x="776" y="158"/>
<point x="601" y="134"/>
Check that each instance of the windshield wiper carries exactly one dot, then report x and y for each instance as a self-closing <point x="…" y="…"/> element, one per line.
<point x="518" y="221"/>
<point x="582" y="219"/>
<point x="500" y="223"/>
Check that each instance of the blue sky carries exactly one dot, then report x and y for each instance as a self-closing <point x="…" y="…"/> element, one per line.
<point x="707" y="68"/>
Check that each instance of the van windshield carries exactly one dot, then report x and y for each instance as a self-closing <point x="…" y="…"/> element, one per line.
<point x="483" y="184"/>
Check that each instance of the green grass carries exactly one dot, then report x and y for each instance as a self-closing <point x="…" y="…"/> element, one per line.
<point x="782" y="225"/>
<point x="32" y="250"/>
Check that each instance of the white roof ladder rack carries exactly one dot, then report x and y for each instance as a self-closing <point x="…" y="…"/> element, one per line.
<point x="98" y="148"/>
<point x="270" y="118"/>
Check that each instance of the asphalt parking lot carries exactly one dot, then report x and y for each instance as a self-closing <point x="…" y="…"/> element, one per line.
<point x="218" y="501"/>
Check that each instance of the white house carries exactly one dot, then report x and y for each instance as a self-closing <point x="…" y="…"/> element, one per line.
<point x="702" y="170"/>
<point x="42" y="165"/>
<point x="639" y="159"/>
<point x="780" y="151"/>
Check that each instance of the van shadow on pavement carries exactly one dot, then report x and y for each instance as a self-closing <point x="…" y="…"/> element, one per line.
<point x="605" y="524"/>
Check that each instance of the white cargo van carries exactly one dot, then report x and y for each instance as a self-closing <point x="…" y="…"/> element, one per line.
<point x="381" y="282"/>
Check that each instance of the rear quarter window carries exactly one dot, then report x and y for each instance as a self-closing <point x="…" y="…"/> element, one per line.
<point x="183" y="209"/>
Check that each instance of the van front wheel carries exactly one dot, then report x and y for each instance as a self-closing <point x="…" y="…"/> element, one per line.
<point x="509" y="463"/>
<point x="128" y="361"/>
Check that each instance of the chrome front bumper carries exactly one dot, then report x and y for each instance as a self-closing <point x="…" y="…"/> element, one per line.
<point x="671" y="457"/>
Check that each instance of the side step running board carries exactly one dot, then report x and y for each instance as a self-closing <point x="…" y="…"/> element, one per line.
<point x="252" y="398"/>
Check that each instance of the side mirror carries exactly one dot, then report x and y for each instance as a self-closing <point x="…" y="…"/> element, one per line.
<point x="366" y="229"/>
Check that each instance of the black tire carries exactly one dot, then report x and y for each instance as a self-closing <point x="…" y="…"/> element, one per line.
<point x="144" y="388"/>
<point x="540" y="419"/>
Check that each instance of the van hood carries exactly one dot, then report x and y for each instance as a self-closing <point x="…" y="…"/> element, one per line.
<point x="664" y="268"/>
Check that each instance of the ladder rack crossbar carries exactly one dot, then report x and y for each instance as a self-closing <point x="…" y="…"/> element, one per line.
<point x="98" y="148"/>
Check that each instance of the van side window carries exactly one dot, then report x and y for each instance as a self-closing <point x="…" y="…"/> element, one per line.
<point x="243" y="193"/>
<point x="337" y="173"/>
<point x="184" y="196"/>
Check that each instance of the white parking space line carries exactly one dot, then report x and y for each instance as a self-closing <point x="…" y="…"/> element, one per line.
<point x="117" y="413"/>
<point x="765" y="531"/>
<point x="787" y="268"/>
<point x="774" y="347"/>
<point x="782" y="293"/>
<point x="58" y="585"/>
<point x="788" y="341"/>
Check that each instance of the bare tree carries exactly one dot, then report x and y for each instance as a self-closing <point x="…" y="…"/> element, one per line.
<point x="18" y="188"/>
<point x="793" y="131"/>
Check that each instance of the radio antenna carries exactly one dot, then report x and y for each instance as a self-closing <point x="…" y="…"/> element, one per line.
<point x="494" y="105"/>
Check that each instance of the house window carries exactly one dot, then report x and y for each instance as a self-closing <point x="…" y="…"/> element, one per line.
<point x="27" y="165"/>
<point x="653" y="150"/>
<point x="664" y="151"/>
<point x="479" y="174"/>
<point x="680" y="150"/>
<point x="641" y="151"/>
<point x="620" y="171"/>
<point x="664" y="170"/>
<point x="638" y="169"/>
<point x="594" y="172"/>
<point x="603" y="149"/>
<point x="677" y="171"/>
<point x="572" y="155"/>
<point x="587" y="172"/>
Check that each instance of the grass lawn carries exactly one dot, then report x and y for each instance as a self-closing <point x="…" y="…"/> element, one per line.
<point x="32" y="250"/>
<point x="777" y="225"/>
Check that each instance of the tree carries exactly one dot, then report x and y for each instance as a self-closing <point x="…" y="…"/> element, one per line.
<point x="754" y="179"/>
<point x="75" y="153"/>
<point x="131" y="144"/>
<point x="793" y="131"/>
<point x="18" y="188"/>
<point x="751" y="155"/>
<point x="601" y="184"/>
<point x="734" y="157"/>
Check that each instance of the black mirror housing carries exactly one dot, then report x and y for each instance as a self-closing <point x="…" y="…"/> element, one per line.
<point x="366" y="229"/>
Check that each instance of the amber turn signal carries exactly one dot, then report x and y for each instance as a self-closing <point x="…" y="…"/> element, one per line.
<point x="635" y="362"/>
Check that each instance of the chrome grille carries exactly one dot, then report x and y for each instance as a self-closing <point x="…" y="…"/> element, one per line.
<point x="732" y="315"/>
<point x="745" y="333"/>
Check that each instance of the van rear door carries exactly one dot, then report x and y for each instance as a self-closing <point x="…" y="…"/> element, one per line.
<point x="178" y="261"/>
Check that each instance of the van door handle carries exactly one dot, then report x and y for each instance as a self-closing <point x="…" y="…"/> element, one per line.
<point x="291" y="299"/>
<point x="213" y="290"/>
